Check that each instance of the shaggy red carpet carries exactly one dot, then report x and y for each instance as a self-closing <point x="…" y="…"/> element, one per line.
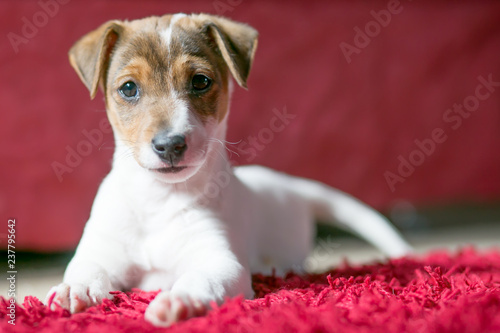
<point x="437" y="293"/>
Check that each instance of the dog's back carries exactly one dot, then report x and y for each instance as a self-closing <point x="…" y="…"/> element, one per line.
<point x="289" y="206"/>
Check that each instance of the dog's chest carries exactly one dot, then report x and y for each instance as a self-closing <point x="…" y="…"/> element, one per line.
<point x="169" y="231"/>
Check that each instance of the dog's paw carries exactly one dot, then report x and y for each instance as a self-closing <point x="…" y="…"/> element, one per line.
<point x="167" y="309"/>
<point x="77" y="297"/>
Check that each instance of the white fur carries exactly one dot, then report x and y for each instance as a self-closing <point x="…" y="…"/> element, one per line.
<point x="202" y="238"/>
<point x="167" y="33"/>
<point x="184" y="122"/>
<point x="197" y="235"/>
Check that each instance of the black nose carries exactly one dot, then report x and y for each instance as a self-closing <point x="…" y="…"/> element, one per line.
<point x="170" y="148"/>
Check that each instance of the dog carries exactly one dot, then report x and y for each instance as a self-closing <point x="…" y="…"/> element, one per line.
<point x="167" y="86"/>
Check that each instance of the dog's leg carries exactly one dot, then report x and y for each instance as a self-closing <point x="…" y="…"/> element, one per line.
<point x="85" y="284"/>
<point x="210" y="273"/>
<point x="97" y="268"/>
<point x="102" y="261"/>
<point x="193" y="292"/>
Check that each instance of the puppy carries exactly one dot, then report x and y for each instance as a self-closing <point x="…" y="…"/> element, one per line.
<point x="173" y="214"/>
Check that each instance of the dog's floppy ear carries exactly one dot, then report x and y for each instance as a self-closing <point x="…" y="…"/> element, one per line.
<point x="237" y="43"/>
<point x="90" y="55"/>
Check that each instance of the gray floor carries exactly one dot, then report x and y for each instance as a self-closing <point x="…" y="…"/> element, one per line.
<point x="35" y="279"/>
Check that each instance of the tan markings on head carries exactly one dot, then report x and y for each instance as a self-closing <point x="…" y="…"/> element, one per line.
<point x="205" y="105"/>
<point x="144" y="61"/>
<point x="163" y="69"/>
<point x="138" y="125"/>
<point x="138" y="68"/>
<point x="236" y="43"/>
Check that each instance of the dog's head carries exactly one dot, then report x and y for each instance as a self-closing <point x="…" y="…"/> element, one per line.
<point x="166" y="84"/>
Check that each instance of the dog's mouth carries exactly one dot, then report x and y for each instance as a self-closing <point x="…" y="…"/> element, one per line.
<point x="171" y="169"/>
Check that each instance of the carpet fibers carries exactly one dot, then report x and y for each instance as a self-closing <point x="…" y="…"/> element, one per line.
<point x="440" y="292"/>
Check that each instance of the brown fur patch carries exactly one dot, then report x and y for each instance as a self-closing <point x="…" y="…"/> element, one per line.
<point x="164" y="70"/>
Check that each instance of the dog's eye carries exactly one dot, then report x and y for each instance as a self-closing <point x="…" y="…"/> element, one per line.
<point x="201" y="82"/>
<point x="128" y="90"/>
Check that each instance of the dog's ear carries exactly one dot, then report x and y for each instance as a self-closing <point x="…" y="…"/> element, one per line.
<point x="90" y="55"/>
<point x="237" y="43"/>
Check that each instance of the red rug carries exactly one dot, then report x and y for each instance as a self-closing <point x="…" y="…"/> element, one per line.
<point x="437" y="293"/>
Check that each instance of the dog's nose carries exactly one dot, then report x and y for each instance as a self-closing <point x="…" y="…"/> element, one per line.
<point x="170" y="148"/>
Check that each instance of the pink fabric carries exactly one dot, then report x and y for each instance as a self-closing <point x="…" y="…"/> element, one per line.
<point x="352" y="120"/>
<point x="438" y="293"/>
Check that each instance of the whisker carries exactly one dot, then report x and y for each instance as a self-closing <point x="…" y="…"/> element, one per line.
<point x="223" y="144"/>
<point x="231" y="143"/>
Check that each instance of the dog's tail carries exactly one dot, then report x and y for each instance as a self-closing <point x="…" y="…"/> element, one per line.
<point x="348" y="213"/>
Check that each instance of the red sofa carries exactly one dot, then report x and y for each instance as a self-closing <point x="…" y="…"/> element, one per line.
<point x="386" y="100"/>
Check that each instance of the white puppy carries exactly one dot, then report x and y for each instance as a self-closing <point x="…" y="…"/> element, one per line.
<point x="173" y="214"/>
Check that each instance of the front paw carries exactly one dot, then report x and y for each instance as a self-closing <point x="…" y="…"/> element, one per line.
<point x="167" y="309"/>
<point x="77" y="297"/>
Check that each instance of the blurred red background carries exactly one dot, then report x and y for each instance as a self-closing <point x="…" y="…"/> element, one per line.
<point x="359" y="102"/>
